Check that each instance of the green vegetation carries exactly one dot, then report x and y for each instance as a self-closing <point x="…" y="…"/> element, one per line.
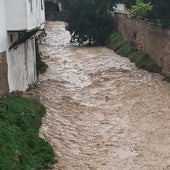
<point x="60" y="16"/>
<point x="156" y="11"/>
<point x="40" y="65"/>
<point x="160" y="13"/>
<point x="128" y="3"/>
<point x="167" y="79"/>
<point x="116" y="40"/>
<point x="140" y="10"/>
<point x="52" y="12"/>
<point x="127" y="49"/>
<point x="90" y="20"/>
<point x="20" y="146"/>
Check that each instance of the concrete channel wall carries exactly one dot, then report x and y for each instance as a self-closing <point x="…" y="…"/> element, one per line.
<point x="148" y="38"/>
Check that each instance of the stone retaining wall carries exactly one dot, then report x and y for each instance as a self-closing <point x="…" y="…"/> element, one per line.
<point x="148" y="38"/>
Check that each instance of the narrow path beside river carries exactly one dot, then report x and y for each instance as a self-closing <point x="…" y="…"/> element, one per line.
<point x="102" y="112"/>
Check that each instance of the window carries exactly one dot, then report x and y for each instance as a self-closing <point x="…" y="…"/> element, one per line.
<point x="31" y="5"/>
<point x="11" y="38"/>
<point x="42" y="4"/>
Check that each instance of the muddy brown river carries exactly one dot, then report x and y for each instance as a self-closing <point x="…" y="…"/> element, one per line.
<point x="102" y="112"/>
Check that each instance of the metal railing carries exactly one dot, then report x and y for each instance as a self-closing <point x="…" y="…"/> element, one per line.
<point x="141" y="22"/>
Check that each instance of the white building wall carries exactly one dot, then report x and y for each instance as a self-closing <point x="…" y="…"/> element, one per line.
<point x="24" y="14"/>
<point x="16" y="15"/>
<point x="3" y="32"/>
<point x="120" y="8"/>
<point x="42" y="13"/>
<point x="22" y="66"/>
<point x="31" y="61"/>
<point x="16" y="70"/>
<point x="32" y="8"/>
<point x="38" y="18"/>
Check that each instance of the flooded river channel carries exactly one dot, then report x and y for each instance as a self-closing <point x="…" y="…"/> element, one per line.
<point x="102" y="112"/>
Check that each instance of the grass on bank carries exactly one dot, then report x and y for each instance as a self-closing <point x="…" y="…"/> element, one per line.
<point x="21" y="148"/>
<point x="127" y="49"/>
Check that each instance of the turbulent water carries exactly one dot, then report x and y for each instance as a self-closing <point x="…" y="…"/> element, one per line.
<point x="102" y="112"/>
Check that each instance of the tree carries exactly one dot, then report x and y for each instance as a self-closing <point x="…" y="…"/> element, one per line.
<point x="128" y="3"/>
<point x="90" y="20"/>
<point x="140" y="10"/>
<point x="66" y="4"/>
<point x="161" y="12"/>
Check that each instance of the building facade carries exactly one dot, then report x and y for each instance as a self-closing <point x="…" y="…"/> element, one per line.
<point x="121" y="8"/>
<point x="20" y="21"/>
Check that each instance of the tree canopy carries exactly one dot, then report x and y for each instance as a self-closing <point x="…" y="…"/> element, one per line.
<point x="160" y="12"/>
<point x="90" y="20"/>
<point x="140" y="10"/>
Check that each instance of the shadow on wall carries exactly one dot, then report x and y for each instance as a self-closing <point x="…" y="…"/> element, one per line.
<point x="50" y="10"/>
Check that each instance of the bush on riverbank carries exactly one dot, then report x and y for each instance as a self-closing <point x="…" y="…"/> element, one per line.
<point x="20" y="146"/>
<point x="41" y="66"/>
<point x="127" y="49"/>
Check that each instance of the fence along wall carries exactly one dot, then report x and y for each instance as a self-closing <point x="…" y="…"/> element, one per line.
<point x="148" y="38"/>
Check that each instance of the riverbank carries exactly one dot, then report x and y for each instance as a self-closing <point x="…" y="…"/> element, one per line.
<point x="20" y="144"/>
<point x="129" y="50"/>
